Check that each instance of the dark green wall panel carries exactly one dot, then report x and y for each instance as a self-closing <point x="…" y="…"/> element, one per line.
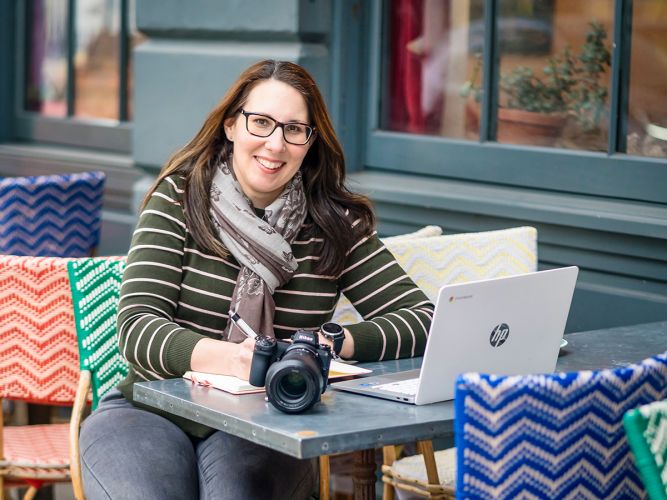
<point x="7" y="75"/>
<point x="623" y="278"/>
<point x="596" y="306"/>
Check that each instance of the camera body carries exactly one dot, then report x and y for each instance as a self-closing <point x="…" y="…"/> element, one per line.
<point x="295" y="374"/>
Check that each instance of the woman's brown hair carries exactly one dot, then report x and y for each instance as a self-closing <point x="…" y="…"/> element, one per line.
<point x="331" y="205"/>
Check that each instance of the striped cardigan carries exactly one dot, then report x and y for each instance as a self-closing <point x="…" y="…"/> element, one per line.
<point x="174" y="294"/>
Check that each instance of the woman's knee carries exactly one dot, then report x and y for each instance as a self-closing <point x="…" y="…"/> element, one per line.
<point x="131" y="453"/>
<point x="231" y="467"/>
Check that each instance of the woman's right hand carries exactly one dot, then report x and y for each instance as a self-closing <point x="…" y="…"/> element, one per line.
<point x="243" y="359"/>
<point x="225" y="358"/>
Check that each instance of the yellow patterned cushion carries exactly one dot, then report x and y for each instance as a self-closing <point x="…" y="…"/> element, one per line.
<point x="424" y="232"/>
<point x="455" y="258"/>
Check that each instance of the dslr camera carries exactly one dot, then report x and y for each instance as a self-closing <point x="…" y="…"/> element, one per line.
<point x="294" y="374"/>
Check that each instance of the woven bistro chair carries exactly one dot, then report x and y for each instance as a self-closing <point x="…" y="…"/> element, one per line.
<point x="38" y="364"/>
<point x="646" y="428"/>
<point x="95" y="285"/>
<point x="51" y="215"/>
<point x="557" y="435"/>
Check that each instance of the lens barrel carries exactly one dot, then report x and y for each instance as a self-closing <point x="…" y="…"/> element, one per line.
<point x="295" y="383"/>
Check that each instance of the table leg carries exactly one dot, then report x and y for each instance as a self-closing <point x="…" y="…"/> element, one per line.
<point x="325" y="477"/>
<point x="363" y="477"/>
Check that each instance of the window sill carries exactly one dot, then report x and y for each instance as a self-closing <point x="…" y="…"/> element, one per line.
<point x="587" y="212"/>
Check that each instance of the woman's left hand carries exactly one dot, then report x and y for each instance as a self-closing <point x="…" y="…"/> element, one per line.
<point x="347" y="352"/>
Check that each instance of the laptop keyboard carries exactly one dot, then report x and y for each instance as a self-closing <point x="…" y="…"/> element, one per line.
<point x="408" y="387"/>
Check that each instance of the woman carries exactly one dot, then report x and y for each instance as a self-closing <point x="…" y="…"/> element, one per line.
<point x="252" y="216"/>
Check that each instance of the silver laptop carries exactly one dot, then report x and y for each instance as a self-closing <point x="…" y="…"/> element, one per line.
<point x="506" y="326"/>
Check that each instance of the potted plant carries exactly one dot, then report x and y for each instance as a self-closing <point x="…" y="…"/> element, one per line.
<point x="538" y="105"/>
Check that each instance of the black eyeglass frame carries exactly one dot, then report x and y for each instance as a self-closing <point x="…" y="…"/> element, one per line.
<point x="278" y="124"/>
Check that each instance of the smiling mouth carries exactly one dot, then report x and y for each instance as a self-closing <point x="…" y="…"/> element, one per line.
<point x="268" y="164"/>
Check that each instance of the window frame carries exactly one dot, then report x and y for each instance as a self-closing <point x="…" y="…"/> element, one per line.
<point x="102" y="134"/>
<point x="615" y="174"/>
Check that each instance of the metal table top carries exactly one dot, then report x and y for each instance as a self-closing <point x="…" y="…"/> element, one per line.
<point x="345" y="422"/>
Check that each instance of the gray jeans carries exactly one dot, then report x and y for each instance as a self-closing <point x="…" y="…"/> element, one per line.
<point x="130" y="453"/>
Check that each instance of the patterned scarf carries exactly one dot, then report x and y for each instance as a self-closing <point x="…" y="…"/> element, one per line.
<point x="261" y="245"/>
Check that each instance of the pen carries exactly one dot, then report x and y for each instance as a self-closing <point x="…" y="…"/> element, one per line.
<point x="243" y="326"/>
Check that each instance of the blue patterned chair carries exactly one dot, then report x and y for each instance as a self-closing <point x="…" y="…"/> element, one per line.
<point x="550" y="436"/>
<point x="51" y="215"/>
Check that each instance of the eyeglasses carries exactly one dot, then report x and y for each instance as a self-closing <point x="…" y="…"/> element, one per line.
<point x="261" y="125"/>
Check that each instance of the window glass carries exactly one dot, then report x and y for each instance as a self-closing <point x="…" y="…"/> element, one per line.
<point x="96" y="59"/>
<point x="647" y="113"/>
<point x="555" y="73"/>
<point x="554" y="63"/>
<point x="46" y="61"/>
<point x="431" y="54"/>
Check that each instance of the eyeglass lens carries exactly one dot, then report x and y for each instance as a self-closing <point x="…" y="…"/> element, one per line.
<point x="264" y="126"/>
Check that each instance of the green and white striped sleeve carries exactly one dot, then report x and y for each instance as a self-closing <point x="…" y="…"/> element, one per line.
<point x="149" y="338"/>
<point x="397" y="313"/>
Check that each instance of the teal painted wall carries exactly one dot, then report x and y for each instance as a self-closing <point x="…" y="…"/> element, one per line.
<point x="197" y="49"/>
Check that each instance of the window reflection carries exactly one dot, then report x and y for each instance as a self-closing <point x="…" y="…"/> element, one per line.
<point x="431" y="47"/>
<point x="96" y="59"/>
<point x="46" y="68"/>
<point x="555" y="70"/>
<point x="557" y="95"/>
<point x="647" y="113"/>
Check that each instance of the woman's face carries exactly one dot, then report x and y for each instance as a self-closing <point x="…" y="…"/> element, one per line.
<point x="264" y="165"/>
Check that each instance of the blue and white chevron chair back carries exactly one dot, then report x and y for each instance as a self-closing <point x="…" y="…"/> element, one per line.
<point x="51" y="215"/>
<point x="552" y="436"/>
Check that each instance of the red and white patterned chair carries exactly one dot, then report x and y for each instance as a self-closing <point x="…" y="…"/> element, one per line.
<point x="38" y="364"/>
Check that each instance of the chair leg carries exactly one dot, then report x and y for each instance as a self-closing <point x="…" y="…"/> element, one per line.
<point x="2" y="448"/>
<point x="30" y="494"/>
<point x="325" y="478"/>
<point x="388" y="458"/>
<point x="426" y="449"/>
<point x="75" y="423"/>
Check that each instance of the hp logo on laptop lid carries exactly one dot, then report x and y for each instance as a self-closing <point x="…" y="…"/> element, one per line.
<point x="499" y="335"/>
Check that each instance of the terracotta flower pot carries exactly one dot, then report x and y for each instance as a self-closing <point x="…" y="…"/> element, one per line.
<point x="516" y="126"/>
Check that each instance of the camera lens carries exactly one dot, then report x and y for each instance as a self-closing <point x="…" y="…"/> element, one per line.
<point x="295" y="383"/>
<point x="292" y="384"/>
